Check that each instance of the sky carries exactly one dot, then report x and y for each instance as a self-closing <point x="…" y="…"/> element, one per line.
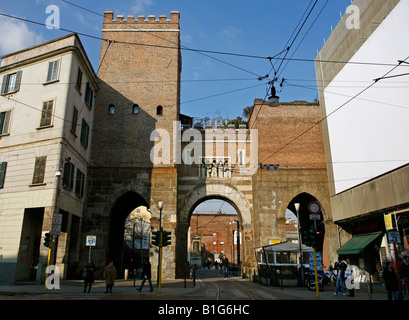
<point x="213" y="85"/>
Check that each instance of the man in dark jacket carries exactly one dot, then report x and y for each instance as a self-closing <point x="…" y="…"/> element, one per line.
<point x="146" y="275"/>
<point x="391" y="281"/>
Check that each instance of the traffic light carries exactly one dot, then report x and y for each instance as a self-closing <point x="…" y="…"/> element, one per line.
<point x="47" y="240"/>
<point x="309" y="237"/>
<point x="156" y="238"/>
<point x="166" y="238"/>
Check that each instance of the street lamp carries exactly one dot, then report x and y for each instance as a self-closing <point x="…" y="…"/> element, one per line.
<point x="160" y="205"/>
<point x="238" y="242"/>
<point x="297" y="209"/>
<point x="273" y="100"/>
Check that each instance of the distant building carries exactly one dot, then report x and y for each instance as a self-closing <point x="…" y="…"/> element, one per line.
<point x="211" y="236"/>
<point x="46" y="113"/>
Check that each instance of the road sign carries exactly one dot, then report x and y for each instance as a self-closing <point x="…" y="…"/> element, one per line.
<point x="393" y="237"/>
<point x="318" y="259"/>
<point x="91" y="241"/>
<point x="315" y="217"/>
<point x="56" y="224"/>
<point x="314" y="207"/>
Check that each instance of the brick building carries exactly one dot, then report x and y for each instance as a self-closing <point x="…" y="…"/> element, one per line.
<point x="216" y="234"/>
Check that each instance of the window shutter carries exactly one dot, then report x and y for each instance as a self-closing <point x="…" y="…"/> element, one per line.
<point x="4" y="84"/>
<point x="18" y="81"/>
<point x="39" y="170"/>
<point x="3" y="167"/>
<point x="47" y="113"/>
<point x="4" y="122"/>
<point x="52" y="70"/>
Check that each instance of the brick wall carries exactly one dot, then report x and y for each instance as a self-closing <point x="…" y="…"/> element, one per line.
<point x="278" y="127"/>
<point x="140" y="63"/>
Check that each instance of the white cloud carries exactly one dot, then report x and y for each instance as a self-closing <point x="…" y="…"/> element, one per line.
<point x="229" y="34"/>
<point x="15" y="35"/>
<point x="140" y="5"/>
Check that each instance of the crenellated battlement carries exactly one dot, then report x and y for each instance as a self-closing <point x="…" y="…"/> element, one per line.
<point x="109" y="18"/>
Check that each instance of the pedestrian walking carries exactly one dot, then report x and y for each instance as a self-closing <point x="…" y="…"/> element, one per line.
<point x="88" y="275"/>
<point x="340" y="267"/>
<point x="225" y="266"/>
<point x="391" y="281"/>
<point x="146" y="275"/>
<point x="110" y="276"/>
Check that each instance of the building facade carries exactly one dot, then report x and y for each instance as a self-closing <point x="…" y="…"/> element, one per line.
<point x="46" y="105"/>
<point x="95" y="162"/>
<point x="365" y="129"/>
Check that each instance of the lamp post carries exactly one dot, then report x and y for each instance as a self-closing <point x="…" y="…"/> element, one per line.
<point x="160" y="205"/>
<point x="238" y="242"/>
<point x="297" y="209"/>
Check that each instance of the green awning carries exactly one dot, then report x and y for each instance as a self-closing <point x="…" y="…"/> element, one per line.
<point x="357" y="244"/>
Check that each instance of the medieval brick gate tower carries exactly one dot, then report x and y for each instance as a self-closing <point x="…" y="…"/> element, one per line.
<point x="141" y="155"/>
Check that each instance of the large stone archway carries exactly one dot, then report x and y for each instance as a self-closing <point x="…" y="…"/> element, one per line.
<point x="212" y="190"/>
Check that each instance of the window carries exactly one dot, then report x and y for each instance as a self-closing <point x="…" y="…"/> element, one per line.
<point x="84" y="133"/>
<point x="80" y="183"/>
<point x="74" y="121"/>
<point x="52" y="74"/>
<point x="111" y="109"/>
<point x="159" y="111"/>
<point x="135" y="109"/>
<point x="4" y="122"/>
<point x="68" y="177"/>
<point x="3" y="167"/>
<point x="79" y="79"/>
<point x="242" y="157"/>
<point x="39" y="170"/>
<point x="11" y="82"/>
<point x="47" y="113"/>
<point x="89" y="95"/>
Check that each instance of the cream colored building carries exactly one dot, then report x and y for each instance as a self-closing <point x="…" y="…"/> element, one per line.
<point x="46" y="117"/>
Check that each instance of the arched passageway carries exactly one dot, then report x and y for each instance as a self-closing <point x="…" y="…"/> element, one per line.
<point x="310" y="214"/>
<point x="121" y="209"/>
<point x="215" y="191"/>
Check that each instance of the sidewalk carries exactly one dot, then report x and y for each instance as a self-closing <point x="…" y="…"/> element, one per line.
<point x="176" y="290"/>
<point x="168" y="288"/>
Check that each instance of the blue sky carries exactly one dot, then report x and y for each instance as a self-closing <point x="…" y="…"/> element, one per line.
<point x="210" y="88"/>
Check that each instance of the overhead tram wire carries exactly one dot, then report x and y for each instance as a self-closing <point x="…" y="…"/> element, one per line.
<point x="271" y="83"/>
<point x="296" y="36"/>
<point x="309" y="29"/>
<point x="327" y="116"/>
<point x="289" y="39"/>
<point x="335" y="110"/>
<point x="287" y="50"/>
<point x="205" y="51"/>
